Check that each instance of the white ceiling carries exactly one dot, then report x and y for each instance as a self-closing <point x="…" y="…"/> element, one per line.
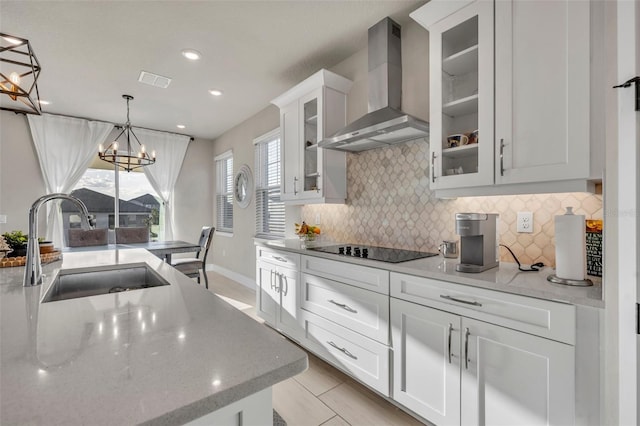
<point x="92" y="52"/>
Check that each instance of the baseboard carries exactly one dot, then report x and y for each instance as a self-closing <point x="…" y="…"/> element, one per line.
<point x="242" y="279"/>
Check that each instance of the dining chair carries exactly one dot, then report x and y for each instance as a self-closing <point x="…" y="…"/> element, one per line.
<point x="192" y="266"/>
<point x="132" y="235"/>
<point x="87" y="237"/>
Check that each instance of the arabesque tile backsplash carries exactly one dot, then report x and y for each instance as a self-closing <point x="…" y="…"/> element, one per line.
<point x="389" y="204"/>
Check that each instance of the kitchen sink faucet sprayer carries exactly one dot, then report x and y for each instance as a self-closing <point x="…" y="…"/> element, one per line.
<point x="33" y="269"/>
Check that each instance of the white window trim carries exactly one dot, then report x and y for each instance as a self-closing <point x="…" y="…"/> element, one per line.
<point x="267" y="136"/>
<point x="224" y="156"/>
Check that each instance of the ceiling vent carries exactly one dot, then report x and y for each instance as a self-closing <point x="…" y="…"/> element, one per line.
<point x="154" y="79"/>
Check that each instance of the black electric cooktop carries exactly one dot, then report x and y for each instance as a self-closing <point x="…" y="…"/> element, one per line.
<point x="383" y="254"/>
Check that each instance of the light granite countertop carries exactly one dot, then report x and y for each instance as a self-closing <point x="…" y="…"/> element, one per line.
<point x="160" y="355"/>
<point x="505" y="278"/>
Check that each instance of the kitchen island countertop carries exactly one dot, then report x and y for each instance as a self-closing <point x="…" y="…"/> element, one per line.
<point x="505" y="278"/>
<point x="160" y="355"/>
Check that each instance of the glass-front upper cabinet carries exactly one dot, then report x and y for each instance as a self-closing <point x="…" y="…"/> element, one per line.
<point x="310" y="139"/>
<point x="314" y="109"/>
<point x="461" y="67"/>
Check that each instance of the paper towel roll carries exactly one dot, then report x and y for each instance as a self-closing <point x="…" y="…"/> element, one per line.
<point x="570" y="245"/>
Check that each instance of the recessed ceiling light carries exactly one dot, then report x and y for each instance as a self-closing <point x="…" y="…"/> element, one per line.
<point x="180" y="126"/>
<point x="12" y="40"/>
<point x="43" y="102"/>
<point x="191" y="54"/>
<point x="215" y="92"/>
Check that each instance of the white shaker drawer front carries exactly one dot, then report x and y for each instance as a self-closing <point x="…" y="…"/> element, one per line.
<point x="552" y="320"/>
<point x="359" y="356"/>
<point x="359" y="310"/>
<point x="360" y="276"/>
<point x="281" y="258"/>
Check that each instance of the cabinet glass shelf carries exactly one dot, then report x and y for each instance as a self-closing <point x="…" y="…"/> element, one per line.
<point x="464" y="106"/>
<point x="311" y="120"/>
<point x="463" y="151"/>
<point x="462" y="62"/>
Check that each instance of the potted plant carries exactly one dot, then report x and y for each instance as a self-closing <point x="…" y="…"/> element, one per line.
<point x="17" y="241"/>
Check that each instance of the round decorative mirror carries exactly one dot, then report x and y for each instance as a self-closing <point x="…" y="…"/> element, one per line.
<point x="243" y="186"/>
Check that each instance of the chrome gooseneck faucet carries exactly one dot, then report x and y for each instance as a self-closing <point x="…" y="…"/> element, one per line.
<point x="33" y="269"/>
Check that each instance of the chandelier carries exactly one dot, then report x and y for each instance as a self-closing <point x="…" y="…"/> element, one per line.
<point x="127" y="159"/>
<point x="23" y="69"/>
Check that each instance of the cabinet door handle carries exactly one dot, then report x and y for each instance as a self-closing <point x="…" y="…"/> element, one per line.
<point x="344" y="306"/>
<point x="295" y="190"/>
<point x="343" y="350"/>
<point x="501" y="157"/>
<point x="271" y="279"/>
<point x="317" y="183"/>
<point x="433" y="167"/>
<point x="279" y="283"/>
<point x="286" y="284"/>
<point x="449" y="345"/>
<point x="466" y="348"/>
<point x="474" y="303"/>
<point x="281" y="259"/>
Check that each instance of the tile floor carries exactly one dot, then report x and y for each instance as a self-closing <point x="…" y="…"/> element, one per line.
<point x="322" y="395"/>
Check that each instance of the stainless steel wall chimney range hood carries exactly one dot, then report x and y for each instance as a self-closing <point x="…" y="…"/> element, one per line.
<point x="385" y="124"/>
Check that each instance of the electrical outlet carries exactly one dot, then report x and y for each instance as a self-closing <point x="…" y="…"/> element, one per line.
<point x="3" y="218"/>
<point x="525" y="222"/>
<point x="317" y="219"/>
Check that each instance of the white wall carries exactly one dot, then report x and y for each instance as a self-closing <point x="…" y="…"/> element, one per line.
<point x="21" y="181"/>
<point x="194" y="192"/>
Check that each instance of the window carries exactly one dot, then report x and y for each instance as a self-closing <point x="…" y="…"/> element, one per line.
<point x="269" y="208"/>
<point x="224" y="192"/>
<point x="139" y="205"/>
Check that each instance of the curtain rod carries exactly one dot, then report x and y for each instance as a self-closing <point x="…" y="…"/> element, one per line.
<point x="116" y="125"/>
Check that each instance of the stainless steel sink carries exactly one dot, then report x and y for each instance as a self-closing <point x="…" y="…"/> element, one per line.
<point x="74" y="283"/>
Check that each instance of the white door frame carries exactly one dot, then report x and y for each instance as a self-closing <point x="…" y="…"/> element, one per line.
<point x="621" y="287"/>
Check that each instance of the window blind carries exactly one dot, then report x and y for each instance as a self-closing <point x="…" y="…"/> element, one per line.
<point x="224" y="193"/>
<point x="270" y="220"/>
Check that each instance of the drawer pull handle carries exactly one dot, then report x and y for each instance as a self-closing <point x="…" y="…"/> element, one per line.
<point x="474" y="303"/>
<point x="466" y="348"/>
<point x="450" y="329"/>
<point x="343" y="350"/>
<point x="344" y="306"/>
<point x="281" y="259"/>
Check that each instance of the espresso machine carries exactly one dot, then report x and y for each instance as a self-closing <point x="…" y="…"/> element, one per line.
<point x="478" y="241"/>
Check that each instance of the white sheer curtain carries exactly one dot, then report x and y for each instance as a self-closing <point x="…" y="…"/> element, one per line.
<point x="65" y="147"/>
<point x="170" y="150"/>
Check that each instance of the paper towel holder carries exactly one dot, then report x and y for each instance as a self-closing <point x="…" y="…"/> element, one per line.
<point x="565" y="281"/>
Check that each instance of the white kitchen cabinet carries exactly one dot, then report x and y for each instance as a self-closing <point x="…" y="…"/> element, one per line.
<point x="277" y="295"/>
<point x="461" y="99"/>
<point x="536" y="110"/>
<point x="514" y="378"/>
<point x="309" y="112"/>
<point x="426" y="364"/>
<point x="362" y="358"/>
<point x="542" y="91"/>
<point x="452" y="369"/>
